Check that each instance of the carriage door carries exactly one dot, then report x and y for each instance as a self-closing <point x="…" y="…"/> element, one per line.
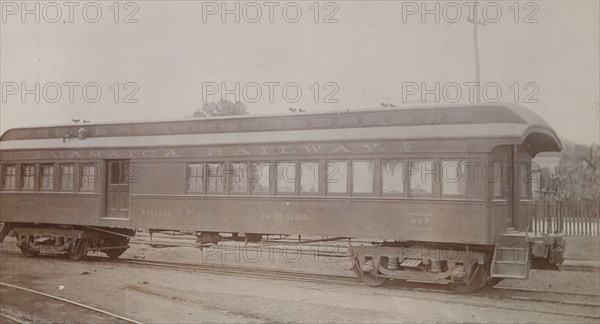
<point x="503" y="187"/>
<point x="117" y="195"/>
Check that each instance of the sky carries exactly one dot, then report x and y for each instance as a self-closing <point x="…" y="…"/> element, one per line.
<point x="156" y="60"/>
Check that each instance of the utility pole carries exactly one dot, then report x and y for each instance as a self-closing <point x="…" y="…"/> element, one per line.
<point x="475" y="21"/>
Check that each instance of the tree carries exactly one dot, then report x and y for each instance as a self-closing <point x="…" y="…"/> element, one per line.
<point x="579" y="172"/>
<point x="221" y="108"/>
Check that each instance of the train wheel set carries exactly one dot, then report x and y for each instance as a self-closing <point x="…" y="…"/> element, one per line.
<point x="75" y="242"/>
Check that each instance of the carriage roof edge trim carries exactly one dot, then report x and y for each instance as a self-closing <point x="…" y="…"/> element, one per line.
<point x="516" y="123"/>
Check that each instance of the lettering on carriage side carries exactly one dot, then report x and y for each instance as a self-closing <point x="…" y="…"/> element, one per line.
<point x="113" y="154"/>
<point x="212" y="151"/>
<point x="75" y="155"/>
<point x="284" y="150"/>
<point x="95" y="154"/>
<point x="369" y="147"/>
<point x="242" y="151"/>
<point x="150" y="212"/>
<point x="171" y="153"/>
<point x="285" y="217"/>
<point x="66" y="210"/>
<point x="313" y="148"/>
<point x="341" y="148"/>
<point x="221" y="151"/>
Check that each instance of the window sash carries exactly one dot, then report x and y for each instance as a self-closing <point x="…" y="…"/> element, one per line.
<point x="454" y="178"/>
<point x="215" y="178"/>
<point x="9" y="177"/>
<point x="48" y="177"/>
<point x="336" y="177"/>
<point x="392" y="178"/>
<point x="28" y="177"/>
<point x="66" y="177"/>
<point x="421" y="179"/>
<point x="363" y="177"/>
<point x="309" y="178"/>
<point x="287" y="178"/>
<point x="195" y="183"/>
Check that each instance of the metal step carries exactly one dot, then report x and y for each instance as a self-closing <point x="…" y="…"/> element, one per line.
<point x="511" y="261"/>
<point x="411" y="263"/>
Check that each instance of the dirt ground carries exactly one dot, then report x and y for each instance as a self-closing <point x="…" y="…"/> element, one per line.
<point x="172" y="296"/>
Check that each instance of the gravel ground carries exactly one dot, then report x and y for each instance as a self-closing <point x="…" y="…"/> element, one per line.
<point x="171" y="296"/>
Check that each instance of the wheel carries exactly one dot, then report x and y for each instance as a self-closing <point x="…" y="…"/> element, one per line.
<point x="476" y="280"/>
<point x="79" y="250"/>
<point x="115" y="253"/>
<point x="366" y="277"/>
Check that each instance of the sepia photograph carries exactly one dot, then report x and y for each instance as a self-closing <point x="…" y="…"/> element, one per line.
<point x="299" y="161"/>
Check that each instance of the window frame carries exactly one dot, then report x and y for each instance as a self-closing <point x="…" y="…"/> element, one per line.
<point x="15" y="177"/>
<point x="270" y="179"/>
<point x="435" y="183"/>
<point x="55" y="180"/>
<point x="232" y="176"/>
<point x="404" y="193"/>
<point x="223" y="176"/>
<point x="62" y="177"/>
<point x="202" y="177"/>
<point x="462" y="161"/>
<point x="348" y="180"/>
<point x="373" y="179"/>
<point x="33" y="176"/>
<point x="296" y="182"/>
<point x="318" y="183"/>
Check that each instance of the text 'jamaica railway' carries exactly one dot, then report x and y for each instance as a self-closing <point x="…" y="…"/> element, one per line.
<point x="449" y="182"/>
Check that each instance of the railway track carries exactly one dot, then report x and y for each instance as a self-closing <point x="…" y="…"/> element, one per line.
<point x="29" y="318"/>
<point x="577" y="302"/>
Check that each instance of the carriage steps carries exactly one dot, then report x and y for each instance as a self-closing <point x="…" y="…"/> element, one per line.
<point x="511" y="258"/>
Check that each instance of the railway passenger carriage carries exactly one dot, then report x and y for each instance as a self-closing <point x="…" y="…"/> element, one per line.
<point x="448" y="182"/>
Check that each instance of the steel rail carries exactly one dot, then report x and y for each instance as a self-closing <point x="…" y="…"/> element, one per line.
<point x="70" y="302"/>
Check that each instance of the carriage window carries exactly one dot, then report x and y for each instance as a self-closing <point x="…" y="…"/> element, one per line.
<point x="66" y="177"/>
<point x="239" y="178"/>
<point x="215" y="181"/>
<point x="421" y="178"/>
<point x="337" y="177"/>
<point x="454" y="178"/>
<point x="498" y="179"/>
<point x="259" y="176"/>
<point x="362" y="177"/>
<point x="392" y="177"/>
<point x="309" y="177"/>
<point x="115" y="173"/>
<point x="28" y="179"/>
<point x="89" y="176"/>
<point x="525" y="179"/>
<point x="286" y="177"/>
<point x="48" y="177"/>
<point x="195" y="183"/>
<point x="9" y="178"/>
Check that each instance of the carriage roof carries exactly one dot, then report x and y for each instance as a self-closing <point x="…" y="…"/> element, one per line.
<point x="494" y="123"/>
